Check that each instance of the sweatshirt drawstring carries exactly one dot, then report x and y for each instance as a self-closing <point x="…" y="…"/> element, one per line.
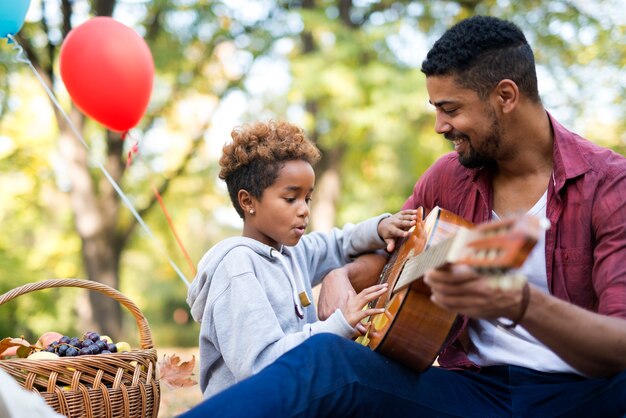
<point x="299" y="299"/>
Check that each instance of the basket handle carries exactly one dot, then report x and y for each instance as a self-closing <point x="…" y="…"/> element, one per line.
<point x="142" y="323"/>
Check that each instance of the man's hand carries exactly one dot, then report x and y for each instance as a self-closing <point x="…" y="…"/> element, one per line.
<point x="340" y="283"/>
<point x="461" y="289"/>
<point x="335" y="291"/>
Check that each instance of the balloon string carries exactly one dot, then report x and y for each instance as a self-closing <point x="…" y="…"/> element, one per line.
<point x="135" y="150"/>
<point x="171" y="224"/>
<point x="21" y="57"/>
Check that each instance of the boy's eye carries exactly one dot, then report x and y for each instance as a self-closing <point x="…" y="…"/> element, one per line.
<point x="290" y="199"/>
<point x="308" y="200"/>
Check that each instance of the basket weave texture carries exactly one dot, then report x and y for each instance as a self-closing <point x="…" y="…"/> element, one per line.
<point x="104" y="385"/>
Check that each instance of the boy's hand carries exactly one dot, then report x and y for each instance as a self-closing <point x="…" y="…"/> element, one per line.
<point x="353" y="311"/>
<point x="396" y="226"/>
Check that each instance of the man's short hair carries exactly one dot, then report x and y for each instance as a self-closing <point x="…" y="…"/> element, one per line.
<point x="481" y="51"/>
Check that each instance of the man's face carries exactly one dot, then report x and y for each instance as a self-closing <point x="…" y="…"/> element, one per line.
<point x="466" y="120"/>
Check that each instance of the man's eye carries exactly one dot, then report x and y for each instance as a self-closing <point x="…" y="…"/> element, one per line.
<point x="308" y="200"/>
<point x="290" y="199"/>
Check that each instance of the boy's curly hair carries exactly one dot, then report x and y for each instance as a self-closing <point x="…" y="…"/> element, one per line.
<point x="256" y="154"/>
<point x="480" y="52"/>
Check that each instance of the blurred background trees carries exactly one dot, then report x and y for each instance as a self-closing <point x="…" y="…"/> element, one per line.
<point x="345" y="70"/>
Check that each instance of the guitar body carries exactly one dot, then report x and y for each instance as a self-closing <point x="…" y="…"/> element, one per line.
<point x="412" y="330"/>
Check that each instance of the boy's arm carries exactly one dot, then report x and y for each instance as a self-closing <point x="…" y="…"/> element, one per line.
<point x="355" y="276"/>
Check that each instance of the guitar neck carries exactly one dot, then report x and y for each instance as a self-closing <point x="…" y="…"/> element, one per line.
<point x="490" y="247"/>
<point x="415" y="267"/>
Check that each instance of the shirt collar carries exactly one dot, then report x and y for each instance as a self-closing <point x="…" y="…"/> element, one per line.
<point x="569" y="160"/>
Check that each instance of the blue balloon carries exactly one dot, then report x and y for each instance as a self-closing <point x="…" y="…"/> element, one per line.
<point x="12" y="15"/>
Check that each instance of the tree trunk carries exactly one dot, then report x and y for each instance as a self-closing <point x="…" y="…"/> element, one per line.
<point x="327" y="189"/>
<point x="102" y="265"/>
<point x="95" y="215"/>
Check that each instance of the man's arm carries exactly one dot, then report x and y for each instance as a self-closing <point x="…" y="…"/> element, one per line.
<point x="351" y="278"/>
<point x="592" y="343"/>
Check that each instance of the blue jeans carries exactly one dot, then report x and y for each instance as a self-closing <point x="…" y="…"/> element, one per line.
<point x="330" y="376"/>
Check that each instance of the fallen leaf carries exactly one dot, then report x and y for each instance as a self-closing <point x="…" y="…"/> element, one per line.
<point x="174" y="373"/>
<point x="9" y="346"/>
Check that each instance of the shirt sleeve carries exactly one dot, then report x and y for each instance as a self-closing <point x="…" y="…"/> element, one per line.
<point x="321" y="252"/>
<point x="609" y="268"/>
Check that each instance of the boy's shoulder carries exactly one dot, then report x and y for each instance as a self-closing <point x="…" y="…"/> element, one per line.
<point x="238" y="250"/>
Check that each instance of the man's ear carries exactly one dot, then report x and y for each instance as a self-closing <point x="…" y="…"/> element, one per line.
<point x="507" y="95"/>
<point x="245" y="201"/>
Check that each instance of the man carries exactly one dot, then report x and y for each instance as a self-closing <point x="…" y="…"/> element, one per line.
<point x="563" y="352"/>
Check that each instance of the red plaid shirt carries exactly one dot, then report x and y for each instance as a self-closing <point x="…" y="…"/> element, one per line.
<point x="586" y="242"/>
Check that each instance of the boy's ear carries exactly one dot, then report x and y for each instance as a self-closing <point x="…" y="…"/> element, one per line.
<point x="245" y="200"/>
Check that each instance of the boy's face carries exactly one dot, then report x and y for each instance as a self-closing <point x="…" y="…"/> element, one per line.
<point x="282" y="214"/>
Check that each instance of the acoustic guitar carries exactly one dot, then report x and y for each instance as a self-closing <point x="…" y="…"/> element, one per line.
<point x="413" y="330"/>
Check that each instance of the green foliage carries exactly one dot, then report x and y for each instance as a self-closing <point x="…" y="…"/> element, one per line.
<point x="354" y="85"/>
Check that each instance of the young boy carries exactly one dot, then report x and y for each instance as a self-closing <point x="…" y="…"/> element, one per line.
<point x="252" y="294"/>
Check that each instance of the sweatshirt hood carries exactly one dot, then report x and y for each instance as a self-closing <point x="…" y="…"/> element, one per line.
<point x="199" y="288"/>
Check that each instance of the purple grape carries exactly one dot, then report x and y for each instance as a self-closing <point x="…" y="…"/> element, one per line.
<point x="93" y="336"/>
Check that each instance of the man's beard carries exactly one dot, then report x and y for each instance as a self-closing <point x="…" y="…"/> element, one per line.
<point x="485" y="155"/>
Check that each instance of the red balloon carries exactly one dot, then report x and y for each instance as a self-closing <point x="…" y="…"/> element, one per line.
<point x="108" y="71"/>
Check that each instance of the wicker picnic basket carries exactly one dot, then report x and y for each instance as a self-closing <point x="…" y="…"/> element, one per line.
<point x="105" y="385"/>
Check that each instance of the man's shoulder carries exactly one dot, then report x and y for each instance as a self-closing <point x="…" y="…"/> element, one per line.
<point x="447" y="162"/>
<point x="450" y="159"/>
<point x="579" y="154"/>
<point x="448" y="167"/>
<point x="446" y="183"/>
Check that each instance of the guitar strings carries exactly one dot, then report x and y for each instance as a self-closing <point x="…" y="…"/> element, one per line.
<point x="416" y="266"/>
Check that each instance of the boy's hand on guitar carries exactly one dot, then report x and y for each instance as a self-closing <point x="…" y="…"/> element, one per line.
<point x="461" y="289"/>
<point x="354" y="310"/>
<point x="396" y="226"/>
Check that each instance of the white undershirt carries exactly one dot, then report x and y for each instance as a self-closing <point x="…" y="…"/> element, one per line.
<point x="494" y="345"/>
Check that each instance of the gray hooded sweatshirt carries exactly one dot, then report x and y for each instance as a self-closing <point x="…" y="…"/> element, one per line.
<point x="246" y="297"/>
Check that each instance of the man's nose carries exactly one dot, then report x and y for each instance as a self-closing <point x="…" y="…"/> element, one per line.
<point x="442" y="124"/>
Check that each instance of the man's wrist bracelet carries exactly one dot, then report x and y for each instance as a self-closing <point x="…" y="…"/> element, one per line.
<point x="522" y="313"/>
